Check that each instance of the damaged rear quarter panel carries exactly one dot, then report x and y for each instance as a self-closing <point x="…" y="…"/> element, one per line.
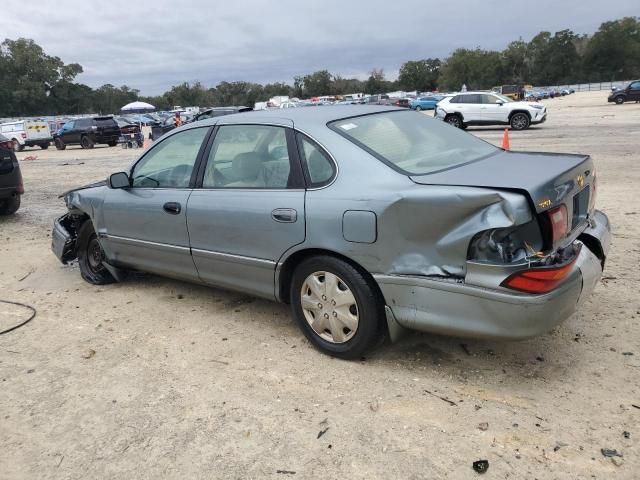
<point x="421" y="230"/>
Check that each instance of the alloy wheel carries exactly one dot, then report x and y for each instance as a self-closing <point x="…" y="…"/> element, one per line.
<point x="329" y="307"/>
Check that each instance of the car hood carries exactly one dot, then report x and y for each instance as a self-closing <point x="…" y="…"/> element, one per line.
<point x="101" y="183"/>
<point x="547" y="178"/>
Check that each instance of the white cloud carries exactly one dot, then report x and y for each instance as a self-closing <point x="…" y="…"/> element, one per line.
<point x="151" y="45"/>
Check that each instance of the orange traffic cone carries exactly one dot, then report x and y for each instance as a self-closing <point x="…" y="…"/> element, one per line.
<point x="505" y="140"/>
<point x="147" y="143"/>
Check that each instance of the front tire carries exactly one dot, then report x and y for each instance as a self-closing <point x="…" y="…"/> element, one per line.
<point x="336" y="307"/>
<point x="112" y="144"/>
<point x="9" y="206"/>
<point x="619" y="100"/>
<point x="44" y="146"/>
<point x="86" y="142"/>
<point x="91" y="257"/>
<point x="17" y="146"/>
<point x="520" y="121"/>
<point x="418" y="108"/>
<point x="454" y="121"/>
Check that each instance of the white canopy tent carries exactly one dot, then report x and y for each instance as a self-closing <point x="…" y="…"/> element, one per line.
<point x="137" y="107"/>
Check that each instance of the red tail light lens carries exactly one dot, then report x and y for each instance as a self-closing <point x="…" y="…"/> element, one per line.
<point x="24" y="135"/>
<point x="539" y="280"/>
<point x="559" y="222"/>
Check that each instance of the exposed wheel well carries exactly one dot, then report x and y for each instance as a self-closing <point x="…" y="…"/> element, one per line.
<point x="458" y="114"/>
<point x="519" y="111"/>
<point x="290" y="264"/>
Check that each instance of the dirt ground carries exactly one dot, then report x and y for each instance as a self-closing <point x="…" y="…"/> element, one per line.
<point x="155" y="378"/>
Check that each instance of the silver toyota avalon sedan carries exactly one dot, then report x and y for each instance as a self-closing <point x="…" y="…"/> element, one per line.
<point x="367" y="220"/>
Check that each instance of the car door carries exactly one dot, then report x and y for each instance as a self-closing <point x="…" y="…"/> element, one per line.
<point x="250" y="208"/>
<point x="634" y="91"/>
<point x="144" y="226"/>
<point x="469" y="105"/>
<point x="492" y="109"/>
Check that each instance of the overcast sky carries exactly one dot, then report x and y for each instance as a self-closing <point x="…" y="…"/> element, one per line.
<point x="151" y="45"/>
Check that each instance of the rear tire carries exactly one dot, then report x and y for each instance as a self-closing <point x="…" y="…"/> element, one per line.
<point x="91" y="257"/>
<point x="454" y="120"/>
<point x="9" y="206"/>
<point x="86" y="142"/>
<point x="112" y="144"/>
<point x="520" y="121"/>
<point x="44" y="146"/>
<point x="17" y="146"/>
<point x="59" y="144"/>
<point x="336" y="307"/>
<point x="619" y="100"/>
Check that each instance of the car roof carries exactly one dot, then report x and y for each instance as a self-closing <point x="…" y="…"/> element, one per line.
<point x="303" y="117"/>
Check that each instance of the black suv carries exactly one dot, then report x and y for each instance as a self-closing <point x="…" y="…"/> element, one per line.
<point x="630" y="93"/>
<point x="10" y="178"/>
<point x="86" y="132"/>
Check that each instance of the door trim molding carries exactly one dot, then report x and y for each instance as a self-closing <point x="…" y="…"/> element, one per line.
<point x="230" y="257"/>
<point x="135" y="241"/>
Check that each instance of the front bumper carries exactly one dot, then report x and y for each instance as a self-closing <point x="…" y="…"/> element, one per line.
<point x="454" y="308"/>
<point x="62" y="242"/>
<point x="540" y="117"/>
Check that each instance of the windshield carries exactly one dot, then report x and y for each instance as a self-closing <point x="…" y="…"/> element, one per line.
<point x="502" y="97"/>
<point x="412" y="142"/>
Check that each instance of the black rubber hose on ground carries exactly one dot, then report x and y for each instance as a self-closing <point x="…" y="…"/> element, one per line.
<point x="33" y="315"/>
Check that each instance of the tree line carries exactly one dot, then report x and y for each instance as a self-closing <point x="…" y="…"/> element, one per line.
<point x="35" y="83"/>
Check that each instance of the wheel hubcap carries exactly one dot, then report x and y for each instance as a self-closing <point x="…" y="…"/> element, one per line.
<point x="519" y="122"/>
<point x="329" y="307"/>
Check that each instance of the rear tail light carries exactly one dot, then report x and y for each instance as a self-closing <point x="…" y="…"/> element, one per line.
<point x="539" y="280"/>
<point x="24" y="135"/>
<point x="559" y="222"/>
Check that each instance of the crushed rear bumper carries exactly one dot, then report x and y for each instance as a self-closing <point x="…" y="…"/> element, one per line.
<point x="454" y="308"/>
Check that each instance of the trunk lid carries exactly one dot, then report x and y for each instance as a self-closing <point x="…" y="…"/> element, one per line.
<point x="548" y="179"/>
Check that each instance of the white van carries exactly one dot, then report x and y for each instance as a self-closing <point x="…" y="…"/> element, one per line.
<point x="27" y="133"/>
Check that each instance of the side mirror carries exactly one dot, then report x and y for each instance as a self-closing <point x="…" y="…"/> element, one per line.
<point x="119" y="180"/>
<point x="500" y="102"/>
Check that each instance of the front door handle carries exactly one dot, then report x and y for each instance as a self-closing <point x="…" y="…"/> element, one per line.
<point x="173" y="208"/>
<point x="284" y="215"/>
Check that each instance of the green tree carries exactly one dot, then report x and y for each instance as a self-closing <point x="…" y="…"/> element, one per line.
<point x="376" y="82"/>
<point x="613" y="53"/>
<point x="477" y="69"/>
<point x="28" y="76"/>
<point x="317" y="83"/>
<point x="421" y="75"/>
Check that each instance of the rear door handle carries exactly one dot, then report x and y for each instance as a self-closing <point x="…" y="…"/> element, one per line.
<point x="173" y="208"/>
<point x="284" y="215"/>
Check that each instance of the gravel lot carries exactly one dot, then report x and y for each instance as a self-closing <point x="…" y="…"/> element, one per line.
<point x="155" y="378"/>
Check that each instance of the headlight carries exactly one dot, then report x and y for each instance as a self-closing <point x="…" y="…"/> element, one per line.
<point x="539" y="107"/>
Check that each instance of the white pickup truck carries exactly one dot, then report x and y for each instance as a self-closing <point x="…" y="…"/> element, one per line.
<point x="27" y="133"/>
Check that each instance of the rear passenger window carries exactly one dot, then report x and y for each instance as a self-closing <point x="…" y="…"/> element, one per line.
<point x="249" y="156"/>
<point x="318" y="167"/>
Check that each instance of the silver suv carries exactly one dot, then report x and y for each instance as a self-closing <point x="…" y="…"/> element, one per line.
<point x="489" y="108"/>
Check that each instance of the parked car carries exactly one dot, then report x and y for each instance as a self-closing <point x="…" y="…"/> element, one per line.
<point x="489" y="108"/>
<point x="402" y="102"/>
<point x="130" y="133"/>
<point x="219" y="111"/>
<point x="86" y="132"/>
<point x="11" y="186"/>
<point x="630" y="93"/>
<point x="27" y="133"/>
<point x="367" y="220"/>
<point x="425" y="103"/>
<point x="379" y="99"/>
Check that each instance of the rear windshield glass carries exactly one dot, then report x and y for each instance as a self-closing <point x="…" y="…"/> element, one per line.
<point x="411" y="142"/>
